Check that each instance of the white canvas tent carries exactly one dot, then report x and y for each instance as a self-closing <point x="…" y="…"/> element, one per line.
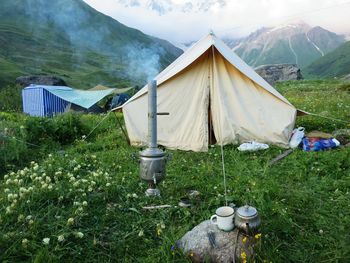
<point x="211" y="95"/>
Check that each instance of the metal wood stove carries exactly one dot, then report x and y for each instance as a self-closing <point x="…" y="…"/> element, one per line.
<point x="152" y="160"/>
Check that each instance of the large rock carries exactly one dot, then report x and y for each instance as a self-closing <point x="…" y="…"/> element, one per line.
<point x="347" y="77"/>
<point x="279" y="72"/>
<point x="25" y="81"/>
<point x="206" y="243"/>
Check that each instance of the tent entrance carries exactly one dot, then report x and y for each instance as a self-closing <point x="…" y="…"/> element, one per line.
<point x="211" y="134"/>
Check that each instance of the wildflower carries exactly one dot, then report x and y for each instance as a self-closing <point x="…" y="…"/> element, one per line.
<point x="6" y="190"/>
<point x="108" y="184"/>
<point x="8" y="210"/>
<point x="244" y="240"/>
<point x="70" y="221"/>
<point x="31" y="222"/>
<point x="321" y="231"/>
<point x="257" y="236"/>
<point x="244" y="257"/>
<point x="24" y="242"/>
<point x="85" y="203"/>
<point x="79" y="234"/>
<point x="191" y="254"/>
<point x="134" y="195"/>
<point x="20" y="218"/>
<point x="60" y="238"/>
<point x="46" y="241"/>
<point x="141" y="233"/>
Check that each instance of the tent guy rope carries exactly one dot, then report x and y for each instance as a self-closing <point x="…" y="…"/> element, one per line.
<point x="221" y="145"/>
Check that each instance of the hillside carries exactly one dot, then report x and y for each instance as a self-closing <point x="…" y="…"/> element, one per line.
<point x="87" y="198"/>
<point x="334" y="64"/>
<point x="296" y="43"/>
<point x="70" y="39"/>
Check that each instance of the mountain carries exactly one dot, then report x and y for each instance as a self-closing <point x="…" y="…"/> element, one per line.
<point x="70" y="39"/>
<point x="333" y="64"/>
<point x="162" y="7"/>
<point x="296" y="43"/>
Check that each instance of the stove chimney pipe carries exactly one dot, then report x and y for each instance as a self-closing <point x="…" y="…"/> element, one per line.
<point x="152" y="114"/>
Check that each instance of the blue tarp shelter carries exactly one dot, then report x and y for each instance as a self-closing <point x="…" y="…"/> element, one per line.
<point x="41" y="100"/>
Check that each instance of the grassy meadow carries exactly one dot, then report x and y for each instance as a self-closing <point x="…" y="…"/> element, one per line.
<point x="72" y="200"/>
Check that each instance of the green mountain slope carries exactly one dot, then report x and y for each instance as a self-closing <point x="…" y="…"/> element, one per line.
<point x="333" y="64"/>
<point x="70" y="39"/>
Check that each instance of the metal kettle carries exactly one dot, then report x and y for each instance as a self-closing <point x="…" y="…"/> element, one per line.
<point x="247" y="219"/>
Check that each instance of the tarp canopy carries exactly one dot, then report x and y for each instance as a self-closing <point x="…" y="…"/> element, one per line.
<point x="83" y="98"/>
<point x="210" y="91"/>
<point x="116" y="91"/>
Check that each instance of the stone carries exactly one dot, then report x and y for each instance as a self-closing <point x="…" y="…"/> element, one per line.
<point x="207" y="243"/>
<point x="279" y="72"/>
<point x="25" y="81"/>
<point x="342" y="135"/>
<point x="347" y="77"/>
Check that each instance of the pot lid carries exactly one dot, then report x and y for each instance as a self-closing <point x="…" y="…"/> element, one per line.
<point x="247" y="211"/>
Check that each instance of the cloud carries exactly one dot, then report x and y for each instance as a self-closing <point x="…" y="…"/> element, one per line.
<point x="227" y="18"/>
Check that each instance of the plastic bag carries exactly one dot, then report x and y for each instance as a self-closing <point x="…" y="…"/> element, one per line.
<point x="297" y="136"/>
<point x="252" y="146"/>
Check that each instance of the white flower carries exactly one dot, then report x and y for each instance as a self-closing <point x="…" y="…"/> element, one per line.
<point x="79" y="234"/>
<point x="85" y="203"/>
<point x="141" y="233"/>
<point x="134" y="195"/>
<point x="24" y="242"/>
<point x="6" y="190"/>
<point x="108" y="184"/>
<point x="20" y="217"/>
<point x="70" y="221"/>
<point x="60" y="238"/>
<point x="46" y="241"/>
<point x="8" y="210"/>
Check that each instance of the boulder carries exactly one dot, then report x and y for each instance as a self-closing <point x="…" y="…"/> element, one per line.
<point x="342" y="135"/>
<point x="25" y="81"/>
<point x="279" y="72"/>
<point x="207" y="243"/>
<point x="347" y="77"/>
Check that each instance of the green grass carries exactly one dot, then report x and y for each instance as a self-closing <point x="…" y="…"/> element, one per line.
<point x="303" y="200"/>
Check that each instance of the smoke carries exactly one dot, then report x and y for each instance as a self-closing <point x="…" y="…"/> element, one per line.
<point x="143" y="62"/>
<point x="88" y="33"/>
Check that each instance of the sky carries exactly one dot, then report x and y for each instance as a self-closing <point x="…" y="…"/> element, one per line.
<point x="182" y="21"/>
